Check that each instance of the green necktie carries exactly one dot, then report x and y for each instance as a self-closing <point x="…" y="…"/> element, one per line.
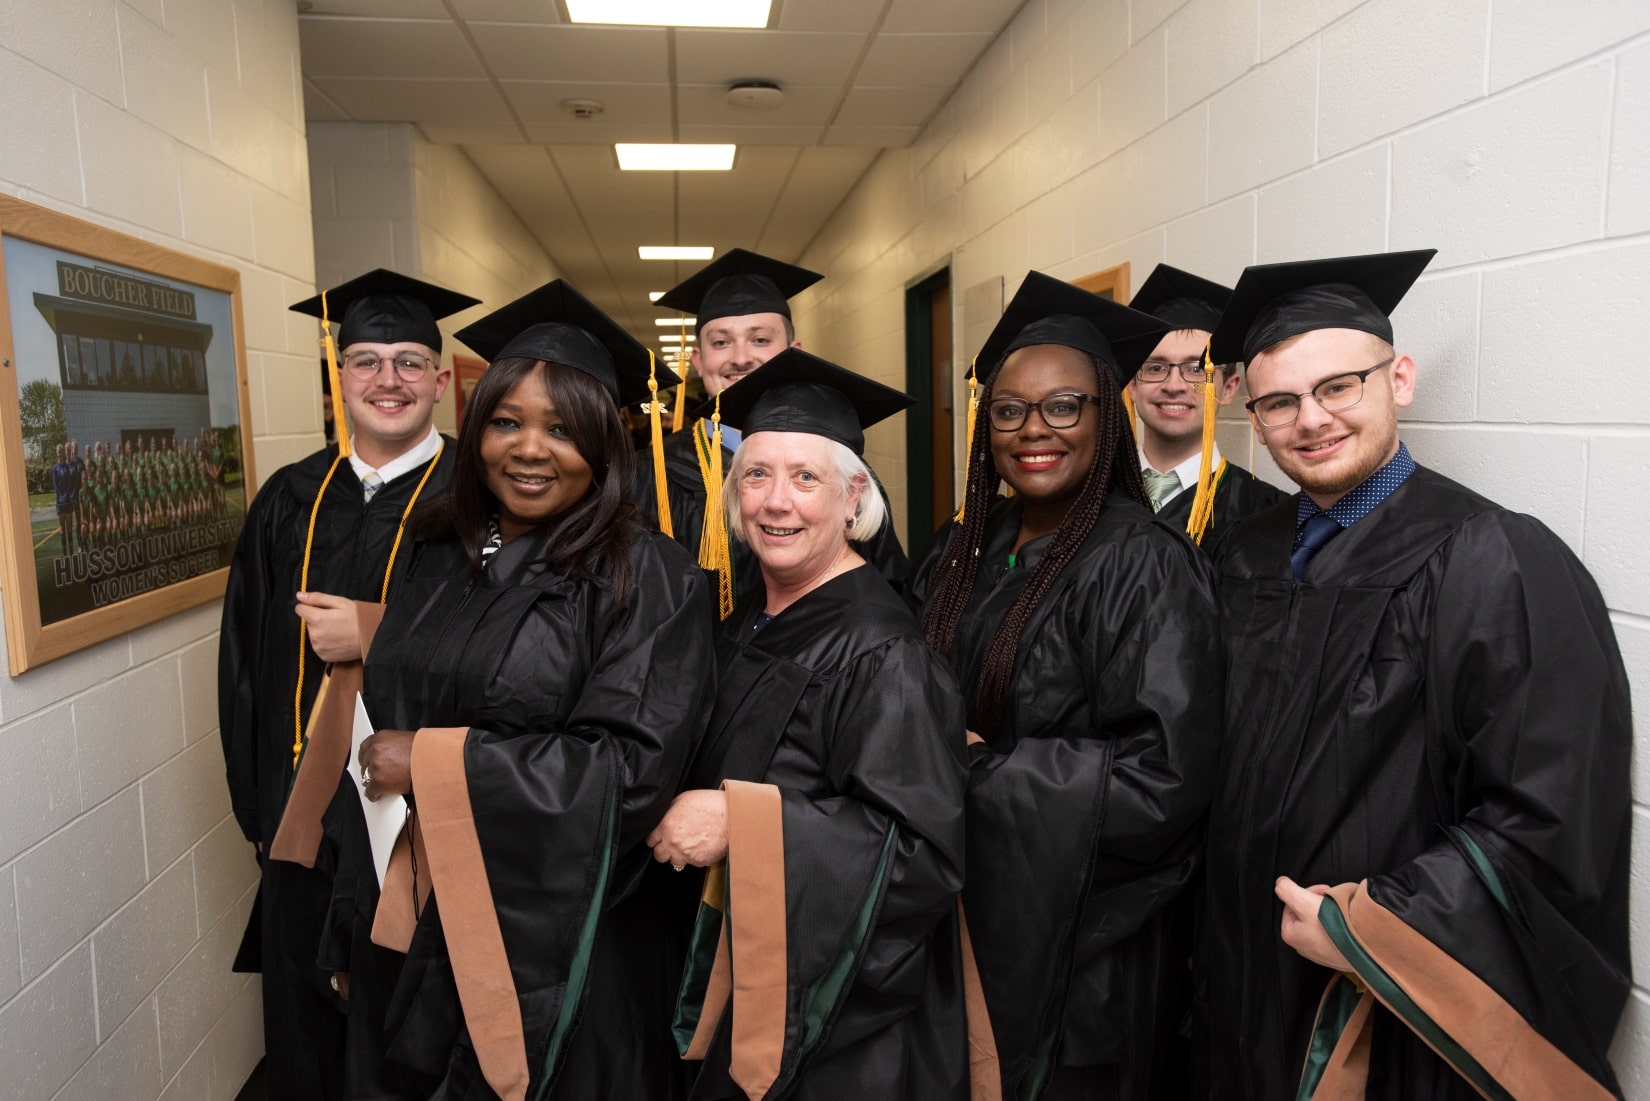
<point x="1160" y="487"/>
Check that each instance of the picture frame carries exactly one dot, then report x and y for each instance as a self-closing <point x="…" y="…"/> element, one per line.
<point x="1112" y="283"/>
<point x="124" y="431"/>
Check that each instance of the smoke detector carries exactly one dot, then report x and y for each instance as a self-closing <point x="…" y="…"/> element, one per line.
<point x="583" y="108"/>
<point x="755" y="95"/>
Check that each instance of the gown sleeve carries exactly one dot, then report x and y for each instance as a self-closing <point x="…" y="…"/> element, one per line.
<point x="1504" y="944"/>
<point x="519" y="915"/>
<point x="837" y="889"/>
<point x="247" y="599"/>
<point x="1079" y="838"/>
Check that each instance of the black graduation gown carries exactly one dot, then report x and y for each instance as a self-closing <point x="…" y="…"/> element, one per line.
<point x="686" y="491"/>
<point x="569" y="729"/>
<point x="257" y="673"/>
<point x="1238" y="494"/>
<point x="1084" y="809"/>
<point x="842" y="706"/>
<point x="1439" y="713"/>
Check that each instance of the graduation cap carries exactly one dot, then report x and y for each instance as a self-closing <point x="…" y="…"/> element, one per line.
<point x="1046" y="310"/>
<point x="737" y="283"/>
<point x="1273" y="302"/>
<point x="557" y="324"/>
<point x="1180" y="299"/>
<point x="385" y="307"/>
<point x="799" y="392"/>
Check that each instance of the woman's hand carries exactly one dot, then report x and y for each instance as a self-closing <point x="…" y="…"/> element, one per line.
<point x="334" y="633"/>
<point x="386" y="764"/>
<point x="694" y="830"/>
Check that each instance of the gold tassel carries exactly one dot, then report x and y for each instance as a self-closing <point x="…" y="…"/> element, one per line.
<point x="1203" y="502"/>
<point x="968" y="448"/>
<point x="661" y="488"/>
<point x="714" y="551"/>
<point x="1128" y="407"/>
<point x="680" y="413"/>
<point x="340" y="425"/>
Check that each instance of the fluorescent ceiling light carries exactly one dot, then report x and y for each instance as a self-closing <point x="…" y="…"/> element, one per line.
<point x="654" y="296"/>
<point x="636" y="157"/>
<point x="672" y="338"/>
<point x="675" y="322"/>
<point x="671" y="13"/>
<point x="675" y="252"/>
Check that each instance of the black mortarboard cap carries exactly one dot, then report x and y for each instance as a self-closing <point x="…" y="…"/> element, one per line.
<point x="1180" y="299"/>
<point x="1046" y="310"/>
<point x="1274" y="302"/>
<point x="799" y="392"/>
<point x="385" y="307"/>
<point x="557" y="324"/>
<point x="737" y="283"/>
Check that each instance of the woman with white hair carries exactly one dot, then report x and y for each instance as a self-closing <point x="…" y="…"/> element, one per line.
<point x="826" y="797"/>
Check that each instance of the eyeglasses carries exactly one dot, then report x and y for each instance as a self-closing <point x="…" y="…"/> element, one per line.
<point x="1332" y="395"/>
<point x="1156" y="370"/>
<point x="409" y="366"/>
<point x="1057" y="410"/>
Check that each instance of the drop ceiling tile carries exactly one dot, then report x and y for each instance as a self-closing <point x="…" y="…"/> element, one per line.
<point x="392" y="48"/>
<point x="380" y="9"/>
<point x="909" y="60"/>
<point x="574" y="132"/>
<point x="318" y="108"/>
<point x="805" y="105"/>
<point x="890" y="137"/>
<point x="566" y="53"/>
<point x="786" y="57"/>
<point x="752" y="135"/>
<point x="622" y="104"/>
<point x="507" y="11"/>
<point x="465" y="133"/>
<point x="436" y="102"/>
<point x="890" y="106"/>
<point x="829" y="15"/>
<point x="927" y="16"/>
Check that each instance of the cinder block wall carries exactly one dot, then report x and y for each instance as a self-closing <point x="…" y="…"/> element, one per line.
<point x="383" y="196"/>
<point x="1512" y="135"/>
<point x="124" y="884"/>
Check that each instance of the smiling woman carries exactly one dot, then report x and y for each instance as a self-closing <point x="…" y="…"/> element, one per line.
<point x="514" y="679"/>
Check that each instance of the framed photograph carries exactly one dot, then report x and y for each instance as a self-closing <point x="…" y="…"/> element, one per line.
<point x="123" y="407"/>
<point x="1112" y="283"/>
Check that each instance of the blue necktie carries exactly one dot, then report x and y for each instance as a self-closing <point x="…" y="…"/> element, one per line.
<point x="1319" y="529"/>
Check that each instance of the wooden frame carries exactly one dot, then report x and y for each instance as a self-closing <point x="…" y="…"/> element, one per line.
<point x="149" y="372"/>
<point x="466" y="371"/>
<point x="1112" y="283"/>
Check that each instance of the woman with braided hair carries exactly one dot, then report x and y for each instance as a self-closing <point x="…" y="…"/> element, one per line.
<point x="1085" y="630"/>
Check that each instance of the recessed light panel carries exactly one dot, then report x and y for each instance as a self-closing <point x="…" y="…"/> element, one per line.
<point x="675" y="252"/>
<point x="671" y="13"/>
<point x="675" y="157"/>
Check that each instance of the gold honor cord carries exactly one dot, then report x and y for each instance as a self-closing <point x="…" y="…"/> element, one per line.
<point x="968" y="449"/>
<point x="1203" y="502"/>
<point x="656" y="431"/>
<point x="715" y="553"/>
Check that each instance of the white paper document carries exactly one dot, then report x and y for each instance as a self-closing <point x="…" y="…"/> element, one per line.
<point x="385" y="818"/>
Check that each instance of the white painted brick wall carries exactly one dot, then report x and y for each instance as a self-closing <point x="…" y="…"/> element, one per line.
<point x="124" y="883"/>
<point x="383" y="196"/>
<point x="1215" y="133"/>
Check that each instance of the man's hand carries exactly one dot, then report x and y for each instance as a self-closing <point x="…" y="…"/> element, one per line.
<point x="386" y="761"/>
<point x="694" y="830"/>
<point x="333" y="631"/>
<point x="1302" y="930"/>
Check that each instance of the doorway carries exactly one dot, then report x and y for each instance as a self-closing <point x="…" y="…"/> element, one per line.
<point x="929" y="377"/>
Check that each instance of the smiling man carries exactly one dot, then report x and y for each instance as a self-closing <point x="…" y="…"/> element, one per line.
<point x="1172" y="395"/>
<point x="743" y="319"/>
<point x="1418" y="852"/>
<point x="319" y="534"/>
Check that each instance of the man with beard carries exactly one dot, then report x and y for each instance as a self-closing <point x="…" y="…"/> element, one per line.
<point x="321" y="533"/>
<point x="1418" y="852"/>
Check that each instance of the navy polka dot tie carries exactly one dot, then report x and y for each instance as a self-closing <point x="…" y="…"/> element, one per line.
<point x="1319" y="529"/>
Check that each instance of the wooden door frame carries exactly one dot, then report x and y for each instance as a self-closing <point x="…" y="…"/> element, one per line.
<point x="919" y="430"/>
